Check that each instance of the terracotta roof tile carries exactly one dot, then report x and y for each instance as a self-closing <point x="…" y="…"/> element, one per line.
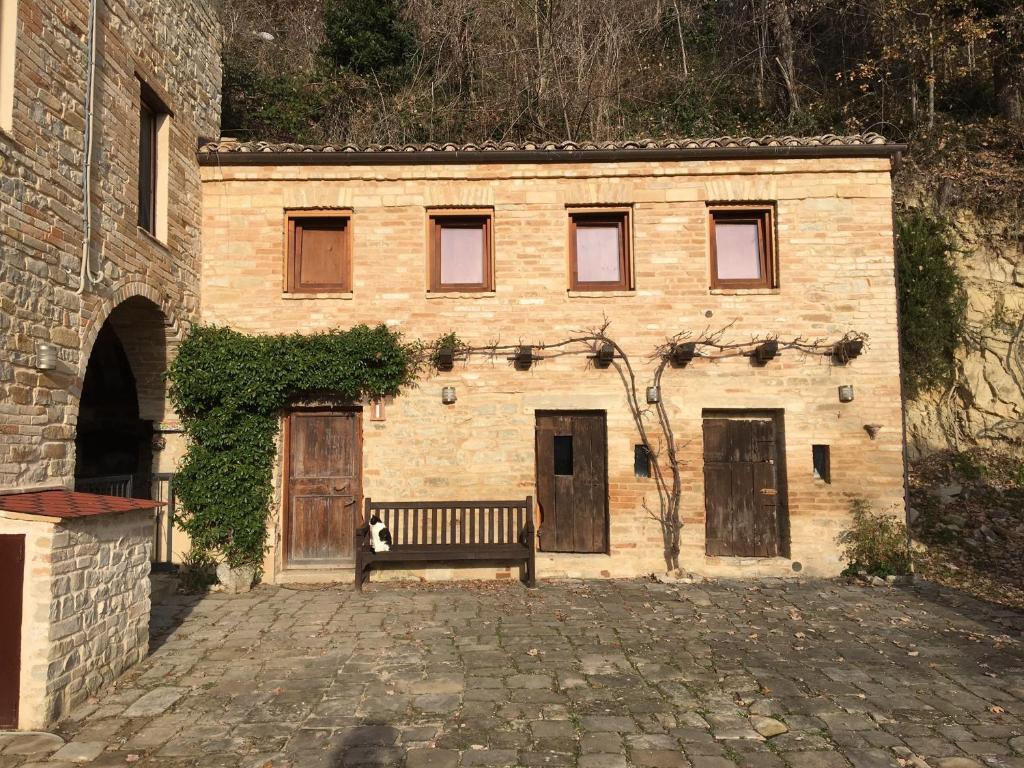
<point x="225" y="145"/>
<point x="70" y="504"/>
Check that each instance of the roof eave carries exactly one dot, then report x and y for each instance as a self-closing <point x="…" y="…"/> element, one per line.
<point x="216" y="158"/>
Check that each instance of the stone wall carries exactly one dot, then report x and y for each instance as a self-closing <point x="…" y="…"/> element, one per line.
<point x="99" y="612"/>
<point x="836" y="275"/>
<point x="86" y="608"/>
<point x="984" y="405"/>
<point x="174" y="46"/>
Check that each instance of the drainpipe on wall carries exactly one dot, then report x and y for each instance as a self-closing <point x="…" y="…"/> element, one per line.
<point x="85" y="272"/>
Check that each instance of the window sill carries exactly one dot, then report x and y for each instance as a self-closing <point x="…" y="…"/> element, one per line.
<point x="462" y="295"/>
<point x="599" y="294"/>
<point x="152" y="238"/>
<point x="298" y="296"/>
<point x="744" y="291"/>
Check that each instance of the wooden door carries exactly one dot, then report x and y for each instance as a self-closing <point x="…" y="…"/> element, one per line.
<point x="741" y="487"/>
<point x="12" y="581"/>
<point x="324" y="486"/>
<point x="572" y="481"/>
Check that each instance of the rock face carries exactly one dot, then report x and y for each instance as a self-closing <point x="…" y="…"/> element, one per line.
<point x="985" y="405"/>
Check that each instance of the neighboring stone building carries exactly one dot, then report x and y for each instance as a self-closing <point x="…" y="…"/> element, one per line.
<point x="156" y="91"/>
<point x="85" y="333"/>
<point x="528" y="244"/>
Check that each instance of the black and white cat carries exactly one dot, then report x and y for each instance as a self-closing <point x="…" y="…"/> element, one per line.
<point x="380" y="536"/>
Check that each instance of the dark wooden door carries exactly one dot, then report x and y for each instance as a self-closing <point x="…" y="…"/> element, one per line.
<point x="12" y="580"/>
<point x="741" y="487"/>
<point x="324" y="486"/>
<point x="572" y="481"/>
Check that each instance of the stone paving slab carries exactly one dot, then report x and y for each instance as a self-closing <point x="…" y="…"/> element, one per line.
<point x="600" y="674"/>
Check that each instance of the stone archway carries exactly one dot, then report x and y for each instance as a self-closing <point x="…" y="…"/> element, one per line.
<point x="122" y="397"/>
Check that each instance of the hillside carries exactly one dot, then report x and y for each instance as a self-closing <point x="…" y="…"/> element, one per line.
<point x="946" y="76"/>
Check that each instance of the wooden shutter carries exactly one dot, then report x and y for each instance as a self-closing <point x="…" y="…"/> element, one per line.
<point x="320" y="255"/>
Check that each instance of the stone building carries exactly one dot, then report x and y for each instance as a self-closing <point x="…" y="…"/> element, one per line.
<point x="111" y="312"/>
<point x="102" y="105"/>
<point x="773" y="239"/>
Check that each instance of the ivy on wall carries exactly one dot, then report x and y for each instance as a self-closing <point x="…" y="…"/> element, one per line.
<point x="229" y="389"/>
<point x="933" y="302"/>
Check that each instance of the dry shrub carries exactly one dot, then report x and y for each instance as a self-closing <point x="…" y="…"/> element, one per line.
<point x="876" y="544"/>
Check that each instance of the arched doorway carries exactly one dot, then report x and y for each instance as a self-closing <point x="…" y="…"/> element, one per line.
<point x="123" y="395"/>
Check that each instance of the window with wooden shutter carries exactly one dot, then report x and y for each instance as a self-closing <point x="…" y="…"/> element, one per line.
<point x="461" y="252"/>
<point x="599" y="251"/>
<point x="742" y="253"/>
<point x="319" y="254"/>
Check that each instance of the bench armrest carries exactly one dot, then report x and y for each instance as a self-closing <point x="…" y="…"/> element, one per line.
<point x="362" y="534"/>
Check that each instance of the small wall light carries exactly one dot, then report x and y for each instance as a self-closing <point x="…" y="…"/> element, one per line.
<point x="766" y="351"/>
<point x="681" y="354"/>
<point x="846" y="393"/>
<point x="523" y="358"/>
<point x="846" y="350"/>
<point x="872" y="430"/>
<point x="605" y="355"/>
<point x="444" y="359"/>
<point x="653" y="395"/>
<point x="46" y="357"/>
<point x="448" y="395"/>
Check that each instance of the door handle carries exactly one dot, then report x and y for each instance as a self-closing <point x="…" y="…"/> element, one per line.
<point x="340" y="488"/>
<point x="769" y="492"/>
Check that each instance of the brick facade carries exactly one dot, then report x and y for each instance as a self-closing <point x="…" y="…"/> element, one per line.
<point x="835" y="251"/>
<point x="172" y="45"/>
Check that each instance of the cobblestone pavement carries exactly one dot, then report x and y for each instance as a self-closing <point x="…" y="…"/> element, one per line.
<point x="589" y="674"/>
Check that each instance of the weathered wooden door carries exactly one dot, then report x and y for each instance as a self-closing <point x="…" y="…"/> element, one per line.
<point x="12" y="581"/>
<point x="741" y="487"/>
<point x="324" y="486"/>
<point x="572" y="481"/>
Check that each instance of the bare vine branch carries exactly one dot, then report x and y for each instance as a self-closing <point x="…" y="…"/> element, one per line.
<point x="660" y="445"/>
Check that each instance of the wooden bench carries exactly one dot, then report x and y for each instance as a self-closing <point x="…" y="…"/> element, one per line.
<point x="442" y="531"/>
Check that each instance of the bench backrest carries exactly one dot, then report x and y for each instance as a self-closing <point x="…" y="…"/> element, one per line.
<point x="453" y="522"/>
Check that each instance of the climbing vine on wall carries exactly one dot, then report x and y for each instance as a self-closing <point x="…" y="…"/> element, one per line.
<point x="933" y="302"/>
<point x="652" y="418"/>
<point x="229" y="389"/>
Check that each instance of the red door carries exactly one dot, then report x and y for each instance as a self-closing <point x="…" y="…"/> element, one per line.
<point x="12" y="580"/>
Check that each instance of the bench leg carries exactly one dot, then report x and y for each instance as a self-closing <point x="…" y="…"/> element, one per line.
<point x="361" y="570"/>
<point x="528" y="571"/>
